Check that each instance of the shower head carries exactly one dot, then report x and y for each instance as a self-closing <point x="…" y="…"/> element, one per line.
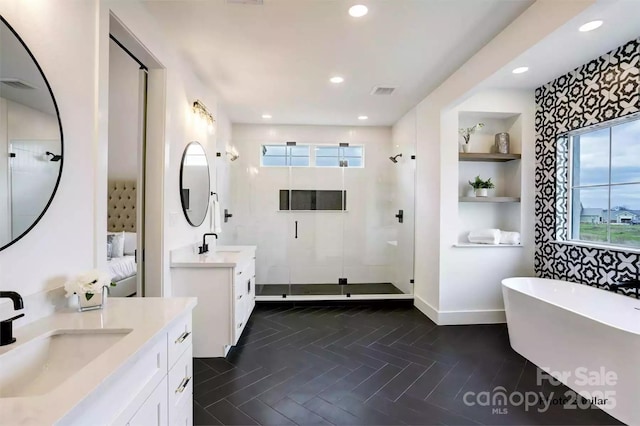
<point x="54" y="157"/>
<point x="395" y="158"/>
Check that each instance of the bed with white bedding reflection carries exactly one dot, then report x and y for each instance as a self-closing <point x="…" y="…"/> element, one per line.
<point x="122" y="238"/>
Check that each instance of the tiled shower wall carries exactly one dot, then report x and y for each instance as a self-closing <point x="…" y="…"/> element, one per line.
<point x="604" y="89"/>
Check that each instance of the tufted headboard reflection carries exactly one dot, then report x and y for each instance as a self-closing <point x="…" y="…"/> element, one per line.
<point x="121" y="206"/>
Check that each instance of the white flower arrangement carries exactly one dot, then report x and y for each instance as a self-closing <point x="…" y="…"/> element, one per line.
<point x="466" y="133"/>
<point x="88" y="284"/>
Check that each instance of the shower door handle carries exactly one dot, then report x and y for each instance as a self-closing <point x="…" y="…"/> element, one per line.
<point x="296" y="229"/>
<point x="400" y="216"/>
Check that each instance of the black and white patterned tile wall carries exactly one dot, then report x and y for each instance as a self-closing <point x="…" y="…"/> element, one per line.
<point x="604" y="89"/>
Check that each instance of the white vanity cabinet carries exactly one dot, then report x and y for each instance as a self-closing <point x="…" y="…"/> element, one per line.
<point x="157" y="389"/>
<point x="244" y="296"/>
<point x="171" y="403"/>
<point x="224" y="283"/>
<point x="141" y="375"/>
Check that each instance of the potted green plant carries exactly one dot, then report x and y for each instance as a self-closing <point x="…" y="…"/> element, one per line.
<point x="481" y="187"/>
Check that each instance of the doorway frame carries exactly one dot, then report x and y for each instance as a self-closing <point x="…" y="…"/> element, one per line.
<point x="154" y="165"/>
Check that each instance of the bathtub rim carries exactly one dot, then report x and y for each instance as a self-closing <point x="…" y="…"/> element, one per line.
<point x="601" y="321"/>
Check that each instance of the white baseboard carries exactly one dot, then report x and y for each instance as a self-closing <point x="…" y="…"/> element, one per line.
<point x="490" y="316"/>
<point x="424" y="307"/>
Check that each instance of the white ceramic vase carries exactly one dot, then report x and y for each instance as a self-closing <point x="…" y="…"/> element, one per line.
<point x="466" y="148"/>
<point x="482" y="192"/>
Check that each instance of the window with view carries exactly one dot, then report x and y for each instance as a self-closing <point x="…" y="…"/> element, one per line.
<point x="339" y="156"/>
<point x="285" y="155"/>
<point x="605" y="185"/>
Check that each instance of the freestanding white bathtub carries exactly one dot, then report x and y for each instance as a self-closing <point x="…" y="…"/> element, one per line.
<point x="582" y="336"/>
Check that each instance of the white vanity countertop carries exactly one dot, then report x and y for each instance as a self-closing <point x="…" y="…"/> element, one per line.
<point x="218" y="257"/>
<point x="146" y="317"/>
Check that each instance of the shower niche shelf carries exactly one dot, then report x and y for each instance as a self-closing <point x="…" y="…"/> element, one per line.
<point x="487" y="157"/>
<point x="502" y="209"/>
<point x="489" y="199"/>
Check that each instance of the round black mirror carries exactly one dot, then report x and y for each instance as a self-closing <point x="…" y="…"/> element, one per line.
<point x="31" y="148"/>
<point x="195" y="184"/>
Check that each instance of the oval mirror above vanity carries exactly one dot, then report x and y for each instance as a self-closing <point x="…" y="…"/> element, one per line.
<point x="31" y="148"/>
<point x="195" y="184"/>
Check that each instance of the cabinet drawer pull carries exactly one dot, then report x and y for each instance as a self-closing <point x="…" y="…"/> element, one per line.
<point x="183" y="336"/>
<point x="183" y="384"/>
<point x="240" y="325"/>
<point x="239" y="273"/>
<point x="239" y="297"/>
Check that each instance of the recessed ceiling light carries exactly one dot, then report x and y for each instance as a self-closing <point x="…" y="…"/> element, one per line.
<point x="590" y="26"/>
<point x="336" y="80"/>
<point x="358" y="11"/>
<point x="266" y="116"/>
<point x="363" y="117"/>
<point x="520" y="70"/>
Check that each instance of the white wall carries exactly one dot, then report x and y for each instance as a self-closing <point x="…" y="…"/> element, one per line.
<point x="62" y="243"/>
<point x="222" y="176"/>
<point x="538" y="21"/>
<point x="124" y="114"/>
<point x="73" y="54"/>
<point x="353" y="244"/>
<point x="166" y="143"/>
<point x="470" y="278"/>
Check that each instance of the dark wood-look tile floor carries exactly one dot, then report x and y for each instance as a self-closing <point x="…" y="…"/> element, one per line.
<point x="369" y="365"/>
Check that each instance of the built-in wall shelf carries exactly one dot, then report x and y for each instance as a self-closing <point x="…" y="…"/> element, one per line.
<point x="475" y="245"/>
<point x="489" y="199"/>
<point x="488" y="157"/>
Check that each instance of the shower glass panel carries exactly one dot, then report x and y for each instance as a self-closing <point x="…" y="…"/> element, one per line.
<point x="403" y="240"/>
<point x="377" y="248"/>
<point x="315" y="247"/>
<point x="257" y="220"/>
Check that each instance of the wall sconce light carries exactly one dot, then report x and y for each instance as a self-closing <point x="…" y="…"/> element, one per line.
<point x="232" y="154"/>
<point x="201" y="110"/>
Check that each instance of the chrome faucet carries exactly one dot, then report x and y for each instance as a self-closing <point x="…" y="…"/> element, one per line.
<point x="205" y="247"/>
<point x="6" y="326"/>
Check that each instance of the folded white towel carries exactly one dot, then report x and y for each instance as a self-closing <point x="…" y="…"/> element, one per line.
<point x="216" y="222"/>
<point x="485" y="236"/>
<point x="510" y="238"/>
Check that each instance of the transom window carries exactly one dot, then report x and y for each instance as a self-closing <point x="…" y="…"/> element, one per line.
<point x="339" y="156"/>
<point x="285" y="155"/>
<point x="604" y="179"/>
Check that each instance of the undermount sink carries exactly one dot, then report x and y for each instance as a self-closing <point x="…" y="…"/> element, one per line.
<point x="39" y="366"/>
<point x="225" y="251"/>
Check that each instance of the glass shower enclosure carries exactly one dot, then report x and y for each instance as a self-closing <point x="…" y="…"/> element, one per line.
<point x="331" y="221"/>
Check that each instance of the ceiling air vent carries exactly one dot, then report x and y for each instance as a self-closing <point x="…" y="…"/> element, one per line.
<point x="17" y="83"/>
<point x="255" y="2"/>
<point x="383" y="91"/>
